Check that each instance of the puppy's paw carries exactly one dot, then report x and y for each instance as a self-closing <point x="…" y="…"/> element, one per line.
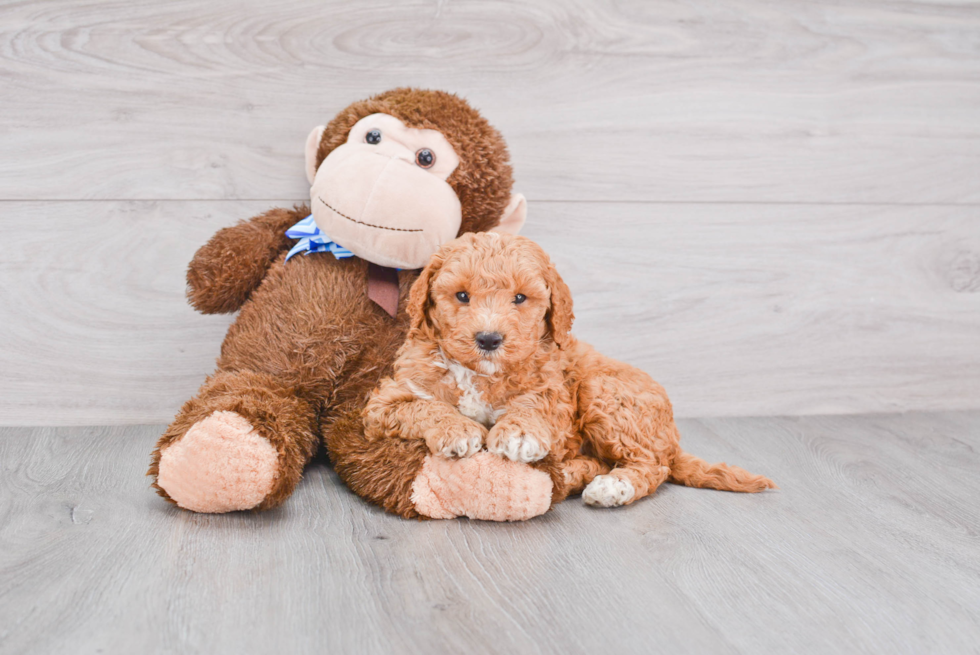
<point x="462" y="447"/>
<point x="510" y="440"/>
<point x="608" y="491"/>
<point x="459" y="440"/>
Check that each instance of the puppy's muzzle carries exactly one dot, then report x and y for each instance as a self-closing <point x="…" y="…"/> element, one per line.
<point x="489" y="341"/>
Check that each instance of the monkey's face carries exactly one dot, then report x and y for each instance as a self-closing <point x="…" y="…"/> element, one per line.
<point x="383" y="195"/>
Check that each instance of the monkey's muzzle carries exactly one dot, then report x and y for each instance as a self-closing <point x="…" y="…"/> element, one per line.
<point x="383" y="209"/>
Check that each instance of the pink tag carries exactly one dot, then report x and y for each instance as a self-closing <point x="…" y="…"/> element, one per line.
<point x="383" y="287"/>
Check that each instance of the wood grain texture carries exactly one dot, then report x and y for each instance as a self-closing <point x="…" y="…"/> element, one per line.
<point x="749" y="101"/>
<point x="737" y="310"/>
<point x="857" y="292"/>
<point x="870" y="546"/>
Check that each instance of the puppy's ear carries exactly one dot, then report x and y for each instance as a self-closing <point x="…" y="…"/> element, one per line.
<point x="418" y="296"/>
<point x="560" y="316"/>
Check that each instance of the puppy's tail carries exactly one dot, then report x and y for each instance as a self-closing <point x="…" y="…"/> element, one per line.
<point x="693" y="471"/>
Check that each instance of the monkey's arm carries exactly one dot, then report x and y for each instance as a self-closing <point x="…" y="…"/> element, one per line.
<point x="231" y="265"/>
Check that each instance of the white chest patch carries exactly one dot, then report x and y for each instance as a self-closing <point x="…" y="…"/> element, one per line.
<point x="471" y="403"/>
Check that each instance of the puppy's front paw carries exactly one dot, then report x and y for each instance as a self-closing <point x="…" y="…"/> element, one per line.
<point x="460" y="439"/>
<point x="608" y="491"/>
<point x="511" y="440"/>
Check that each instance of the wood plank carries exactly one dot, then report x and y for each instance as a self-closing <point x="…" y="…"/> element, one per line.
<point x="869" y="546"/>
<point x="93" y="318"/>
<point x="755" y="310"/>
<point x="750" y="101"/>
<point x="737" y="310"/>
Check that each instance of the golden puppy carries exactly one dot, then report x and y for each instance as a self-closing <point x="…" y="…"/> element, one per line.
<point x="489" y="363"/>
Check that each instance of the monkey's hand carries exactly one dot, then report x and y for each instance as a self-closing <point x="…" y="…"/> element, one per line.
<point x="231" y="265"/>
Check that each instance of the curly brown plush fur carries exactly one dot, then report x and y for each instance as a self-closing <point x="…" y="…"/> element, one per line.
<point x="308" y="346"/>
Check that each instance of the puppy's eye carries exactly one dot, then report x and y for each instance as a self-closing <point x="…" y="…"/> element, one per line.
<point x="519" y="298"/>
<point x="462" y="296"/>
<point x="373" y="137"/>
<point x="425" y="158"/>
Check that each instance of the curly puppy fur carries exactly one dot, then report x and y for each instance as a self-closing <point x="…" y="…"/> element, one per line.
<point x="308" y="346"/>
<point x="541" y="393"/>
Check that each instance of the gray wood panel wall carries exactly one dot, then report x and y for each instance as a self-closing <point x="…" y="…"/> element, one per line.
<point x="773" y="208"/>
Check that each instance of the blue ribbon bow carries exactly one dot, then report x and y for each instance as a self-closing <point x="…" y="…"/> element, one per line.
<point x="312" y="239"/>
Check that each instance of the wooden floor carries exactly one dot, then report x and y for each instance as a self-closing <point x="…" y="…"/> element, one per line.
<point x="871" y="545"/>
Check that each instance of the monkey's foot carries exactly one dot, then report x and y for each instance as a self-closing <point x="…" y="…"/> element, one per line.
<point x="221" y="464"/>
<point x="483" y="486"/>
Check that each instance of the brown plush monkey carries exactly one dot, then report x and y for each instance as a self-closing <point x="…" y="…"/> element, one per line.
<point x="392" y="178"/>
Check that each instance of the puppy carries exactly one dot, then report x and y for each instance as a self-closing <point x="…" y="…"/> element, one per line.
<point x="489" y="363"/>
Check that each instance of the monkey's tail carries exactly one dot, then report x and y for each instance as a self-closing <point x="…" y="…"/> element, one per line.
<point x="693" y="471"/>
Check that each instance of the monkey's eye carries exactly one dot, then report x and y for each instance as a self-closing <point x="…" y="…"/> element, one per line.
<point x="373" y="137"/>
<point x="519" y="298"/>
<point x="425" y="158"/>
<point x="462" y="296"/>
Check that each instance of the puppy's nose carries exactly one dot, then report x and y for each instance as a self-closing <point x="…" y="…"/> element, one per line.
<point x="489" y="341"/>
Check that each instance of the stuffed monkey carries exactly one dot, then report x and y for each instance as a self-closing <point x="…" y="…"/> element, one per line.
<point x="322" y="292"/>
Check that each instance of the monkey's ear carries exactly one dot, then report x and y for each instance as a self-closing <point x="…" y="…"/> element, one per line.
<point x="515" y="213"/>
<point x="312" y="145"/>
